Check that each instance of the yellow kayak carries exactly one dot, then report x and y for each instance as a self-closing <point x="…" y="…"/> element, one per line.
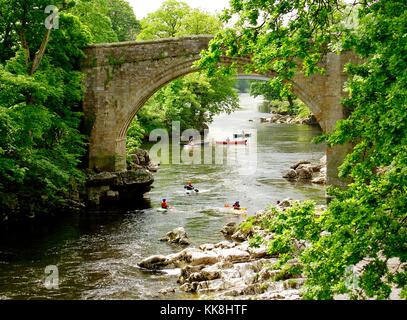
<point x="239" y="211"/>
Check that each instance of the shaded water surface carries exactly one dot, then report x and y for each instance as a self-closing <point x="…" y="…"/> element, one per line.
<point x="96" y="253"/>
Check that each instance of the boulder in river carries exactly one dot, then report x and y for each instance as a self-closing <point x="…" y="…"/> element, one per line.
<point x="178" y="235"/>
<point x="141" y="159"/>
<point x="290" y="174"/>
<point x="304" y="173"/>
<point x="311" y="120"/>
<point x="229" y="229"/>
<point x="319" y="180"/>
<point x="304" y="170"/>
<point x="154" y="262"/>
<point x="114" y="187"/>
<point x="285" y="203"/>
<point x="239" y="235"/>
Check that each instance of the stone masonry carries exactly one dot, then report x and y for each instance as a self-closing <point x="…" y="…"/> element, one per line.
<point x="121" y="77"/>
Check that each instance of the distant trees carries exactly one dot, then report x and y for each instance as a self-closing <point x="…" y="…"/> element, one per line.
<point x="107" y="20"/>
<point x="174" y="19"/>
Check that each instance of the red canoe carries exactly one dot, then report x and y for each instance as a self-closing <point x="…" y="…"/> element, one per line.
<point x="232" y="142"/>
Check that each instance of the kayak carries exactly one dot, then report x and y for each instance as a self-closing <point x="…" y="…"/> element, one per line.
<point x="232" y="142"/>
<point x="239" y="211"/>
<point x="162" y="209"/>
<point x="191" y="191"/>
<point x="235" y="211"/>
<point x="194" y="144"/>
<point x="191" y="146"/>
<point x="240" y="135"/>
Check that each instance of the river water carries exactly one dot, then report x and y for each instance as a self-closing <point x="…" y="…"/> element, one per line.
<point x="96" y="253"/>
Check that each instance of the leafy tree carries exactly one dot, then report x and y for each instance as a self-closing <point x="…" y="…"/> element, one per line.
<point x="124" y="22"/>
<point x="270" y="92"/>
<point x="192" y="100"/>
<point x="279" y="99"/>
<point x="41" y="91"/>
<point x="198" y="22"/>
<point x="165" y="22"/>
<point x="243" y="85"/>
<point x="368" y="218"/>
<point x="94" y="15"/>
<point x="176" y="19"/>
<point x="40" y="96"/>
<point x="107" y="20"/>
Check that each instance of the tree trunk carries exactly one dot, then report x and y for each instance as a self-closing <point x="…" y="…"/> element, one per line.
<point x="40" y="52"/>
<point x="290" y="102"/>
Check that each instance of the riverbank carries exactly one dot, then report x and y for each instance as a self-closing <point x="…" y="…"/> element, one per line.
<point x="257" y="263"/>
<point x="284" y="117"/>
<point x="98" y="190"/>
<point x="241" y="267"/>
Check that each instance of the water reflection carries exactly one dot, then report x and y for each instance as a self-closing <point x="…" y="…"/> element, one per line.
<point x="97" y="252"/>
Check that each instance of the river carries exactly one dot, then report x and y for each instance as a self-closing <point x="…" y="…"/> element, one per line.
<point x="96" y="253"/>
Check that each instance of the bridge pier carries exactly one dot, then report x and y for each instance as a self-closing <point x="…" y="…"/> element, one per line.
<point x="108" y="156"/>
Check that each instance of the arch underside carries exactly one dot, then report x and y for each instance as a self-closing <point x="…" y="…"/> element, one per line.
<point x="186" y="67"/>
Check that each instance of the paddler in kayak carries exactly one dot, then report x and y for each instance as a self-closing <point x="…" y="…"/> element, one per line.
<point x="236" y="205"/>
<point x="189" y="186"/>
<point x="164" y="204"/>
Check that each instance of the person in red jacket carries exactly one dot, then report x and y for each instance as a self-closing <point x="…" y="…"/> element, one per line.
<point x="164" y="204"/>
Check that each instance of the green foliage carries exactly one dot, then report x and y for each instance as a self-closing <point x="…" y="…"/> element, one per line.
<point x="94" y="15"/>
<point x="40" y="109"/>
<point x="124" y="22"/>
<point x="367" y="220"/>
<point x="256" y="241"/>
<point x="176" y="19"/>
<point x="288" y="271"/>
<point x="41" y="91"/>
<point x="135" y="136"/>
<point x="278" y="99"/>
<point x="165" y="22"/>
<point x="107" y="20"/>
<point x="198" y="22"/>
<point x="242" y="85"/>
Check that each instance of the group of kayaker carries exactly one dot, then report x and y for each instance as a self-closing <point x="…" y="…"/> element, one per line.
<point x="242" y="135"/>
<point x="190" y="187"/>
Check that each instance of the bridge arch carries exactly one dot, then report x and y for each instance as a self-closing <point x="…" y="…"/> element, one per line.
<point x="121" y="77"/>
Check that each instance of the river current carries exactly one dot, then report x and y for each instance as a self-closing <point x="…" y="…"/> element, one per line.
<point x="96" y="253"/>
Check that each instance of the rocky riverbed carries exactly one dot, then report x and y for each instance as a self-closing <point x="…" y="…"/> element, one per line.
<point x="289" y="119"/>
<point x="229" y="269"/>
<point x="233" y="269"/>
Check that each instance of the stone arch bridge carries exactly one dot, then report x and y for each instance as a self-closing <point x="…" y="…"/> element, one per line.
<point x="121" y="77"/>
